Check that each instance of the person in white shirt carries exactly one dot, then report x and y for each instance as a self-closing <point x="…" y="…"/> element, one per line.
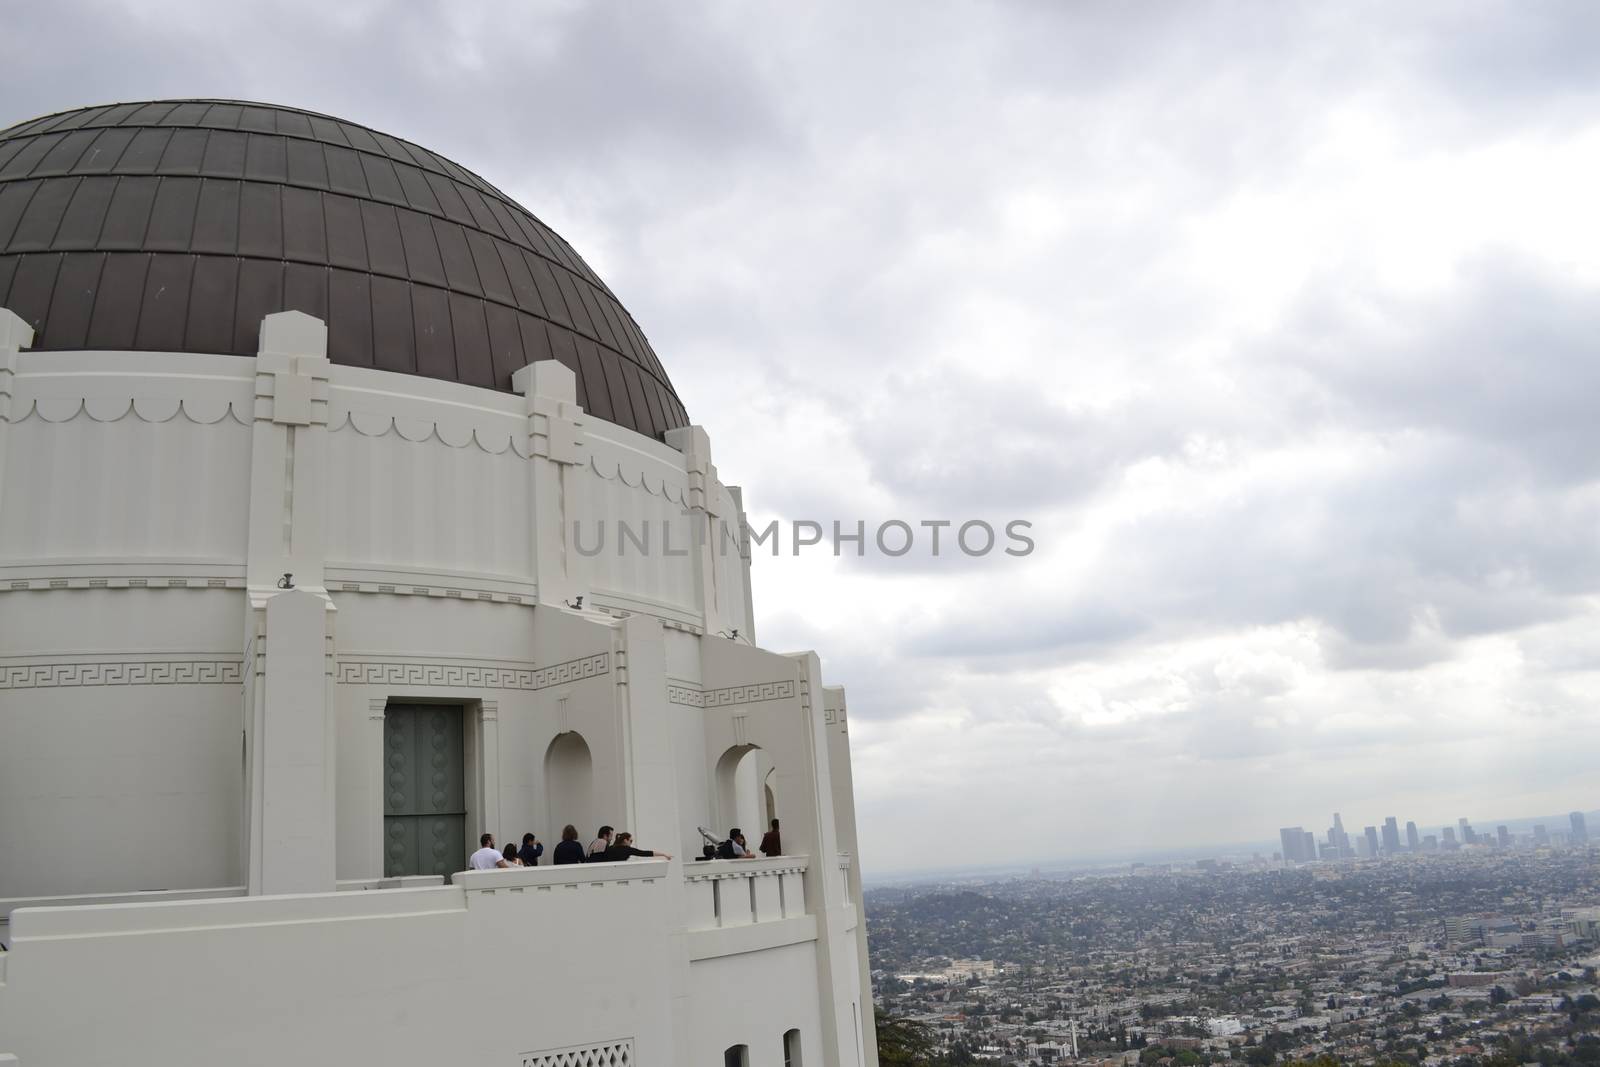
<point x="488" y="857"/>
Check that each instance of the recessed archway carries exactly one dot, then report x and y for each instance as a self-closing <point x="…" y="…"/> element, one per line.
<point x="745" y="791"/>
<point x="569" y="786"/>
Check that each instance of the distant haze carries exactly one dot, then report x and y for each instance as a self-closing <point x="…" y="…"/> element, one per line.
<point x="1278" y="321"/>
<point x="1120" y="859"/>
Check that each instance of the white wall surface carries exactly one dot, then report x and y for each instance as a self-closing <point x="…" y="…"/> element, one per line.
<point x="726" y="1013"/>
<point x="121" y="740"/>
<point x="406" y="976"/>
<point x="426" y="505"/>
<point x="126" y="457"/>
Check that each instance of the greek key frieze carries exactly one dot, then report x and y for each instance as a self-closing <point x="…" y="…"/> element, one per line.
<point x="680" y="694"/>
<point x="472" y="676"/>
<point x="754" y="693"/>
<point x="122" y="672"/>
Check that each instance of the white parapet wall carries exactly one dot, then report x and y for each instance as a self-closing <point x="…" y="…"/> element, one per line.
<point x="507" y="964"/>
<point x="502" y="966"/>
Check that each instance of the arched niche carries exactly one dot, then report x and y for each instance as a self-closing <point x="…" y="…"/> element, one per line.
<point x="569" y="786"/>
<point x="743" y="776"/>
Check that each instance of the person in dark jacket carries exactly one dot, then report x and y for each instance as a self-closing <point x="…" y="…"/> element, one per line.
<point x="531" y="851"/>
<point x="622" y="849"/>
<point x="771" y="844"/>
<point x="734" y="848"/>
<point x="570" y="850"/>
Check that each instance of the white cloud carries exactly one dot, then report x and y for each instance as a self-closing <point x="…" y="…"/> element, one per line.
<point x="1278" y="323"/>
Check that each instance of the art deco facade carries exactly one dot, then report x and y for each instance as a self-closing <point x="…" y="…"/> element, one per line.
<point x="300" y="425"/>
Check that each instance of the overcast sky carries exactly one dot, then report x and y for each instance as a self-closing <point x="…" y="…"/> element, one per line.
<point x="1279" y="323"/>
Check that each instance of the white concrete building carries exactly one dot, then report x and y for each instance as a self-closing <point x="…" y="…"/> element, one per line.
<point x="299" y="594"/>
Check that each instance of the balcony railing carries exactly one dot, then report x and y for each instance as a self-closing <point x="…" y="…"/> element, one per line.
<point x="724" y="893"/>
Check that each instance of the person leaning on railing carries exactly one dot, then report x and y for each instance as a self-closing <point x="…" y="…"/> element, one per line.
<point x="622" y="849"/>
<point x="735" y="848"/>
<point x="487" y="858"/>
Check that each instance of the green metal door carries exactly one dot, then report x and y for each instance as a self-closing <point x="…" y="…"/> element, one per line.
<point x="424" y="796"/>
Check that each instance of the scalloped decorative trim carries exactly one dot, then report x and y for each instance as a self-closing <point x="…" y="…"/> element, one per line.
<point x="203" y="411"/>
<point x="453" y="433"/>
<point x="612" y="469"/>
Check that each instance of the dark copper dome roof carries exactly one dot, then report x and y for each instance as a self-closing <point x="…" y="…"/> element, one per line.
<point x="175" y="226"/>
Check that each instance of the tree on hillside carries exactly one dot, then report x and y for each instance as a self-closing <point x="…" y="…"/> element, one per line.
<point x="904" y="1042"/>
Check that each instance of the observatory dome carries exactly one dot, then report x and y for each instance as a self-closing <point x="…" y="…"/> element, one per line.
<point x="176" y="225"/>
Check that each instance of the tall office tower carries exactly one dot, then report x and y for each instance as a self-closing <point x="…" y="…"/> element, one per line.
<point x="1462" y="929"/>
<point x="1430" y="844"/>
<point x="1372" y="841"/>
<point x="1580" y="829"/>
<point x="1413" y="842"/>
<point x="1504" y="836"/>
<point x="1308" y="846"/>
<point x="1391" y="835"/>
<point x="1341" y="838"/>
<point x="1447" y="838"/>
<point x="1541" y="836"/>
<point x="1468" y="835"/>
<point x="1291" y="838"/>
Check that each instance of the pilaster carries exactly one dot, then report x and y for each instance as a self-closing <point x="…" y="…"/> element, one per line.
<point x="557" y="449"/>
<point x="704" y="510"/>
<point x="374" y="862"/>
<point x="289" y="452"/>
<point x="835" y="718"/>
<point x="488" y="799"/>
<point x="15" y="335"/>
<point x="290" y="746"/>
<point x="743" y="536"/>
<point x="290" y="737"/>
<point x="650" y="774"/>
<point x="837" y="969"/>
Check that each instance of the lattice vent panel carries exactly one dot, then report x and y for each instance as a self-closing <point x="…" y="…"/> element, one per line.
<point x="611" y="1054"/>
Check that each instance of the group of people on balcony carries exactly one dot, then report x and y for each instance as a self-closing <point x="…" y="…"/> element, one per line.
<point x="608" y="847"/>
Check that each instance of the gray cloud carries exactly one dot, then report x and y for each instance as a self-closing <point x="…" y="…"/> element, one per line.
<point x="1509" y="355"/>
<point x="1314" y="472"/>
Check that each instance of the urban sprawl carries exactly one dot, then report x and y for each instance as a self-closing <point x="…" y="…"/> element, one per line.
<point x="1456" y="948"/>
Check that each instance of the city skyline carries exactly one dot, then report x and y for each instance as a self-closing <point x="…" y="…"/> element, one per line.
<point x="1121" y="851"/>
<point x="1298" y="845"/>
